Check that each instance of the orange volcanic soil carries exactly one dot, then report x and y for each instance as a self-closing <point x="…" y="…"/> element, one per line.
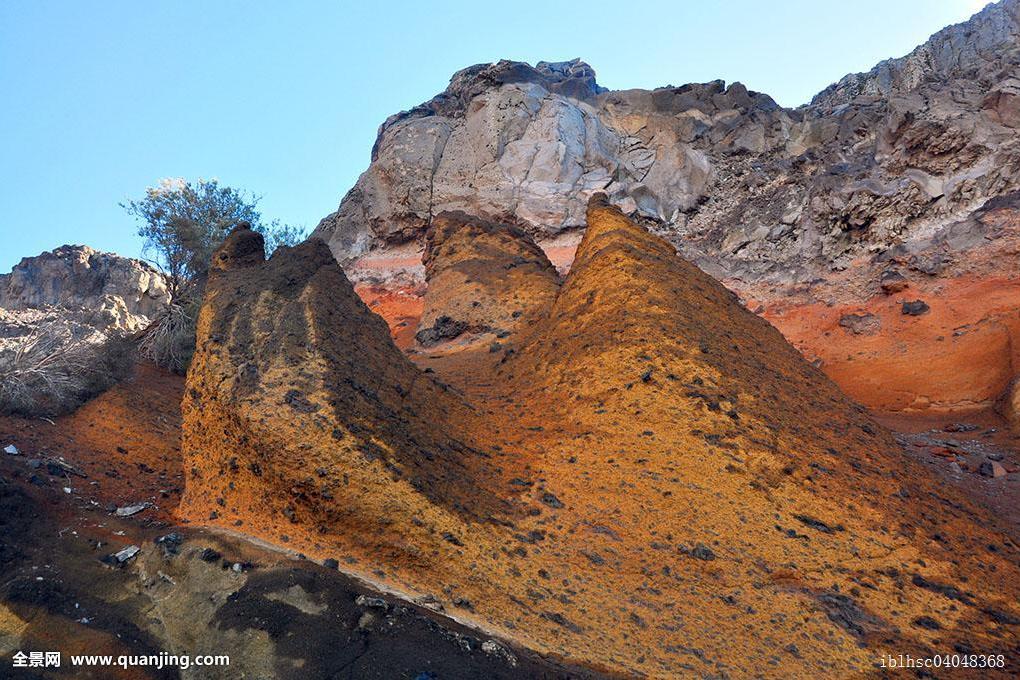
<point x="647" y="478"/>
<point x="957" y="357"/>
<point x="483" y="277"/>
<point x="401" y="308"/>
<point x="961" y="355"/>
<point x="126" y="442"/>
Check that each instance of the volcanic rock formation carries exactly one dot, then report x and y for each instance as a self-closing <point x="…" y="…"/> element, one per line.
<point x="648" y="480"/>
<point x="482" y="277"/>
<point x="733" y="177"/>
<point x="349" y="409"/>
<point x="120" y="292"/>
<point x="800" y="211"/>
<point x="56" y="310"/>
<point x="77" y="293"/>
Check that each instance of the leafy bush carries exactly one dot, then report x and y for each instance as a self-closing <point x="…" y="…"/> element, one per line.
<point x="49" y="372"/>
<point x="183" y="223"/>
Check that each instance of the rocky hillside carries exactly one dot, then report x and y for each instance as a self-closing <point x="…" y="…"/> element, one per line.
<point x="906" y="173"/>
<point x="80" y="287"/>
<point x="645" y="479"/>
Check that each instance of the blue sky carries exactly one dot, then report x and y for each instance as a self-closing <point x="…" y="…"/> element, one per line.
<point x="102" y="99"/>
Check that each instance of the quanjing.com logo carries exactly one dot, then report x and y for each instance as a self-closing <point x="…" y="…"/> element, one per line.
<point x="36" y="659"/>
<point x="157" y="661"/>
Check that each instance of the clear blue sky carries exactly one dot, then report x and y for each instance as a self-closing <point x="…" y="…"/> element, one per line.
<point x="102" y="99"/>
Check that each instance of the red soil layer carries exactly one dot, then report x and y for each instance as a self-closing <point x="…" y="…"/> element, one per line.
<point x="400" y="307"/>
<point x="959" y="356"/>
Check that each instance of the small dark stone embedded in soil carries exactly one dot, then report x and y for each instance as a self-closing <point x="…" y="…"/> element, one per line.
<point x="444" y="328"/>
<point x="298" y="402"/>
<point x="551" y="500"/>
<point x="818" y="524"/>
<point x="702" y="552"/>
<point x="170" y="543"/>
<point x="847" y="614"/>
<point x="450" y="538"/>
<point x="1002" y="617"/>
<point x="951" y="592"/>
<point x="915" y="308"/>
<point x="209" y="555"/>
<point x="892" y="281"/>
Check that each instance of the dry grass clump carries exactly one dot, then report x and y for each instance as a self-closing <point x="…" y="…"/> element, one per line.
<point x="169" y="341"/>
<point x="51" y="371"/>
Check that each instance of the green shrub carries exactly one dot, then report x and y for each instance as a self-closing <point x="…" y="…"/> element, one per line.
<point x="183" y="223"/>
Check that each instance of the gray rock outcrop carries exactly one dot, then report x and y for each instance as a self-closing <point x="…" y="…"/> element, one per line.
<point x="103" y="290"/>
<point x="75" y="296"/>
<point x="746" y="188"/>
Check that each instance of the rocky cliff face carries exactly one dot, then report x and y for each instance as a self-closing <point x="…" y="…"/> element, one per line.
<point x="739" y="182"/>
<point x="101" y="290"/>
<point x="895" y="172"/>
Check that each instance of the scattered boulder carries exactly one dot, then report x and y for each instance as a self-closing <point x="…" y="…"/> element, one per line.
<point x="128" y="510"/>
<point x="443" y="328"/>
<point x="861" y="324"/>
<point x="991" y="468"/>
<point x="121" y="556"/>
<point x="702" y="552"/>
<point x="893" y="282"/>
<point x="496" y="649"/>
<point x="915" y="308"/>
<point x="551" y="500"/>
<point x="209" y="555"/>
<point x="170" y="543"/>
<point x="927" y="622"/>
<point x="371" y="602"/>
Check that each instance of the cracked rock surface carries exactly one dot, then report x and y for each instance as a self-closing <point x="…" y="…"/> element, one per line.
<point x="744" y="187"/>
